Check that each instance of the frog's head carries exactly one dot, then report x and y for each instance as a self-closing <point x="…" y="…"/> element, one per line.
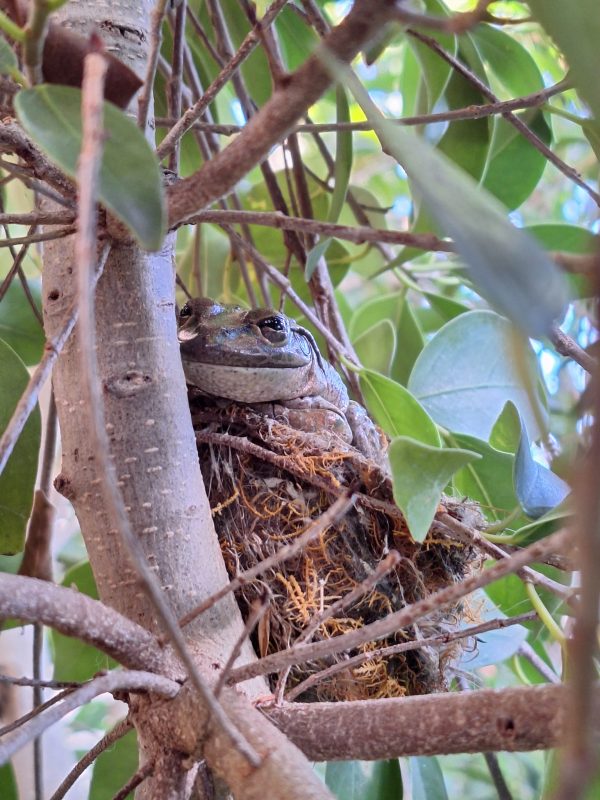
<point x="228" y="335"/>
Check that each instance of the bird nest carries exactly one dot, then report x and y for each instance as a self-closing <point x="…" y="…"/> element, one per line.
<point x="267" y="483"/>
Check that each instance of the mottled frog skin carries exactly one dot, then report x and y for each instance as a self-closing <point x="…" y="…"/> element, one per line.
<point x="261" y="356"/>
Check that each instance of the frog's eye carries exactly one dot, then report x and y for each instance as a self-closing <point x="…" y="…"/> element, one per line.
<point x="185" y="312"/>
<point x="275" y="329"/>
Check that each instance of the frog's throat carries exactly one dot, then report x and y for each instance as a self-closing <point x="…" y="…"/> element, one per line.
<point x="249" y="384"/>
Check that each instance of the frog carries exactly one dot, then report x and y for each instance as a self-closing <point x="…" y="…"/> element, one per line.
<point x="265" y="359"/>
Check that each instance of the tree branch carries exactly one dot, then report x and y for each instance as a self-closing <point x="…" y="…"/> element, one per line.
<point x="523" y="718"/>
<point x="117" y="681"/>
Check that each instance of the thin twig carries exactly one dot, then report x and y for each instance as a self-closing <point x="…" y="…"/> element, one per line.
<point x="465" y="533"/>
<point x="405" y="616"/>
<point x="38" y="237"/>
<point x="12" y="726"/>
<point x="569" y="348"/>
<point x="142" y="773"/>
<point x="14" y="269"/>
<point x="356" y="234"/>
<point x="257" y="611"/>
<point x="36" y="218"/>
<point x="38" y="699"/>
<point x="120" y="729"/>
<point x="526" y="651"/>
<point x="156" y="20"/>
<point x="35" y="35"/>
<point x="36" y="682"/>
<point x="454" y="115"/>
<point x="440" y="641"/>
<point x="174" y="88"/>
<point x="117" y="681"/>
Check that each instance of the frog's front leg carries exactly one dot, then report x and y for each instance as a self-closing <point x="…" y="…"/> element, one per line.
<point x="366" y="436"/>
<point x="312" y="415"/>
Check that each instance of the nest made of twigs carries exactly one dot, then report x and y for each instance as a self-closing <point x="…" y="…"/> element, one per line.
<point x="266" y="482"/>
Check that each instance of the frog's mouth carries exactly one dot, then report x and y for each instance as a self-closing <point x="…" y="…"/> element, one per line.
<point x="248" y="384"/>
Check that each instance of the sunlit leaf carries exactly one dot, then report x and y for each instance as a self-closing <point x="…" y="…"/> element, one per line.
<point x="17" y="481"/>
<point x="467" y="372"/>
<point x="419" y="475"/>
<point x="396" y="410"/>
<point x="130" y="182"/>
<point x="375" y="348"/>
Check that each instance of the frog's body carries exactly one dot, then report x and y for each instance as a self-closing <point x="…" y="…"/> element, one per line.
<point x="259" y="357"/>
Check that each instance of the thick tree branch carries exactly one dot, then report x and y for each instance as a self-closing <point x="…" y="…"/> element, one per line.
<point x="289" y="101"/>
<point x="524" y="718"/>
<point x="75" y="614"/>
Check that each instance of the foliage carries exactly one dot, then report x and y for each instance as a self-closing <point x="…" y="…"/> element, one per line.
<point x="457" y="362"/>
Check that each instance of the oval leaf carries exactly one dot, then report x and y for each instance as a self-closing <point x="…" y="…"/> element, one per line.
<point x="19" y="327"/>
<point x="419" y="475"/>
<point x="376" y="347"/>
<point x="396" y="410"/>
<point x="130" y="182"/>
<point x="539" y="490"/>
<point x="426" y="778"/>
<point x="507" y="266"/>
<point x="467" y="372"/>
<point x="8" y="59"/>
<point x="17" y="481"/>
<point x="73" y="659"/>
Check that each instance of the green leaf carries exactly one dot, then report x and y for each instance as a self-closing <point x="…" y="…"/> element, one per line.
<point x="539" y="490"/>
<point x="506" y="433"/>
<point x="114" y="767"/>
<point x="314" y="255"/>
<point x="364" y="780"/>
<point x="419" y="475"/>
<point x="468" y="371"/>
<point x="445" y="306"/>
<point x="575" y="27"/>
<point x="375" y="348"/>
<point x="396" y="410"/>
<point x="343" y="157"/>
<point x="410" y="336"/>
<point x="8" y="59"/>
<point x="19" y="327"/>
<point x="17" y="481"/>
<point x="507" y="266"/>
<point x="8" y="783"/>
<point x="74" y="660"/>
<point x="544" y="526"/>
<point x="426" y="779"/>
<point x="489" y="481"/>
<point x="130" y="182"/>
